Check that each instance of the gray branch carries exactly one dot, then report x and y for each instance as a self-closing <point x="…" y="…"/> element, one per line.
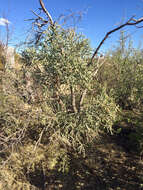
<point x="130" y="22"/>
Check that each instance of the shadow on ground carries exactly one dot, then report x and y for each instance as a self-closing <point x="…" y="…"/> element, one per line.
<point x="109" y="166"/>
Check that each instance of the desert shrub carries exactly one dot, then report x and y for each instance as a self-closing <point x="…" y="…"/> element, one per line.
<point x="58" y="66"/>
<point x="49" y="109"/>
<point x="130" y="85"/>
<point x="53" y="104"/>
<point x="122" y="72"/>
<point x="77" y="130"/>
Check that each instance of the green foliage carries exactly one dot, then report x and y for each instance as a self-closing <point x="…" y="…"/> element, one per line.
<point x="59" y="65"/>
<point x="123" y="73"/>
<point x="61" y="55"/>
<point x="79" y="129"/>
<point x="130" y="84"/>
<point x="55" y="105"/>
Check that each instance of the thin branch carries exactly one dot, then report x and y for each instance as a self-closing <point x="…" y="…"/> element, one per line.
<point x="39" y="22"/>
<point x="39" y="140"/>
<point x="99" y="64"/>
<point x="46" y="12"/>
<point x="73" y="99"/>
<point x="39" y="17"/>
<point x="130" y="22"/>
<point x="81" y="99"/>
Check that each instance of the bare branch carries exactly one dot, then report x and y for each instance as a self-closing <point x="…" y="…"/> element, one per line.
<point x="46" y="12"/>
<point x="40" y="22"/>
<point x="130" y="22"/>
<point x="81" y="99"/>
<point x="39" y="140"/>
<point x="39" y="17"/>
<point x="73" y="99"/>
<point x="74" y="16"/>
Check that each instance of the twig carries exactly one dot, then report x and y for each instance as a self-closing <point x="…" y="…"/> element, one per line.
<point x="39" y="140"/>
<point x="39" y="17"/>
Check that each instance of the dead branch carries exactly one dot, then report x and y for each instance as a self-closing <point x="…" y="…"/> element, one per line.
<point x="46" y="12"/>
<point x="130" y="22"/>
<point x="41" y="21"/>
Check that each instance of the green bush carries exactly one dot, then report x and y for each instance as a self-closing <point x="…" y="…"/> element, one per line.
<point x="59" y="65"/>
<point x="122" y="73"/>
